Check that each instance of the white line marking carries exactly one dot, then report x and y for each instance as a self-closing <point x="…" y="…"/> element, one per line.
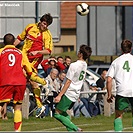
<point x="65" y="127"/>
<point x="123" y="129"/>
<point x="62" y="127"/>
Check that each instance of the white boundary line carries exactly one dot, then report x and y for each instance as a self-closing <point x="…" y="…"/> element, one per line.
<point x="123" y="129"/>
<point x="62" y="127"/>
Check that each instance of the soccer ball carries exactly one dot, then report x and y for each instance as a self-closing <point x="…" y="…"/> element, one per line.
<point x="83" y="9"/>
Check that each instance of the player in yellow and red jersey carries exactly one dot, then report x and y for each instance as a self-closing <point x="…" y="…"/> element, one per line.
<point x="37" y="42"/>
<point x="13" y="63"/>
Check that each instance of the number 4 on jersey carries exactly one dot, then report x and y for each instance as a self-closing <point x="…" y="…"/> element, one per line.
<point x="126" y="66"/>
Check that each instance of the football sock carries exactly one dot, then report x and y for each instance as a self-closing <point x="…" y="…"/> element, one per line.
<point x="37" y="79"/>
<point x="37" y="97"/>
<point x="118" y="124"/>
<point x="67" y="116"/>
<point x="17" y="120"/>
<point x="66" y="122"/>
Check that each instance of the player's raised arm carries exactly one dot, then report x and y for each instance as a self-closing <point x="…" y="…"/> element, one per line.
<point x="17" y="41"/>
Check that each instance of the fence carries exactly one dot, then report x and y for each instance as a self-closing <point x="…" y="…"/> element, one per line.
<point x="25" y="105"/>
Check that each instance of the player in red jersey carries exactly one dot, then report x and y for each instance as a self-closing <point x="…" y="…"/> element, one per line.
<point x="37" y="42"/>
<point x="13" y="63"/>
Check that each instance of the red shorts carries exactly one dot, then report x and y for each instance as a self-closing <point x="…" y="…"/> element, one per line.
<point x="12" y="92"/>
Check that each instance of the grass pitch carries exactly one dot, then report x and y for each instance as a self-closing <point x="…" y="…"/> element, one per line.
<point x="99" y="123"/>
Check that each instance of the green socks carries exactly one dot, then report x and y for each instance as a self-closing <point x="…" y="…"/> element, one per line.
<point x="118" y="125"/>
<point x="65" y="120"/>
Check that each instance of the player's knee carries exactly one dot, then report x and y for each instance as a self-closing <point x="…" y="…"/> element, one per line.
<point x="118" y="114"/>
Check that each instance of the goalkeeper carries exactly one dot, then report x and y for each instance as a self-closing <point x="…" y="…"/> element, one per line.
<point x="13" y="64"/>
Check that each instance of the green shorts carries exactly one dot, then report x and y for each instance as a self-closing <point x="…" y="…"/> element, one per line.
<point x="64" y="104"/>
<point x="122" y="103"/>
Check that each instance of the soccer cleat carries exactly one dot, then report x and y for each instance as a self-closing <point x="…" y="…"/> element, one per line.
<point x="40" y="111"/>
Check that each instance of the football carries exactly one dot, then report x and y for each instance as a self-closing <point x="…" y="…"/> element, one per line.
<point x="83" y="9"/>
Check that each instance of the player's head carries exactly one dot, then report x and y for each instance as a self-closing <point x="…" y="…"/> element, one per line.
<point x="45" y="21"/>
<point x="85" y="50"/>
<point x="47" y="18"/>
<point x="126" y="46"/>
<point x="9" y="39"/>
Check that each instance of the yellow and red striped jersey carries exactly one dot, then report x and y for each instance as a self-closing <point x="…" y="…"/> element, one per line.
<point x="34" y="39"/>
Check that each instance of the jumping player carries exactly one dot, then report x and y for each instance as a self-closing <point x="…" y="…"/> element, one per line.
<point x="37" y="42"/>
<point x="13" y="65"/>
<point x="121" y="70"/>
<point x="71" y="89"/>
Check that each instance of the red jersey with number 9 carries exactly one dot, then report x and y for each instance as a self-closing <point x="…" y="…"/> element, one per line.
<point x="11" y="72"/>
